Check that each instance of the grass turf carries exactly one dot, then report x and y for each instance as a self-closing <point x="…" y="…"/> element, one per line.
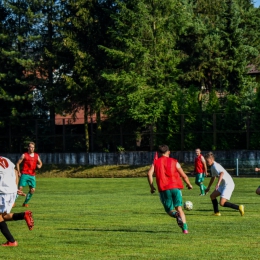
<point x="117" y="218"/>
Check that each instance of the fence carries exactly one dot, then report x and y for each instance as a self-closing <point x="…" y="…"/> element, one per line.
<point x="180" y="132"/>
<point x="237" y="163"/>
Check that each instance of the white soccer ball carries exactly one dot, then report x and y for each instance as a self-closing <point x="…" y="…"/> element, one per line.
<point x="188" y="205"/>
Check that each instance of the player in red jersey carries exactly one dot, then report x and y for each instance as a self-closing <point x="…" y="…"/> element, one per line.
<point x="31" y="161"/>
<point x="200" y="169"/>
<point x="169" y="176"/>
<point x="8" y="191"/>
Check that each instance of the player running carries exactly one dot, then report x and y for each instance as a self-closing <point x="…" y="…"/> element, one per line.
<point x="31" y="161"/>
<point x="8" y="191"/>
<point x="168" y="174"/>
<point x="224" y="187"/>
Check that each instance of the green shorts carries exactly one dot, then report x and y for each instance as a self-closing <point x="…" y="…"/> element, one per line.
<point x="199" y="177"/>
<point x="171" y="199"/>
<point x="27" y="179"/>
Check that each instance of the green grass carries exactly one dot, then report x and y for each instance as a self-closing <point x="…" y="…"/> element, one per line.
<point x="117" y="218"/>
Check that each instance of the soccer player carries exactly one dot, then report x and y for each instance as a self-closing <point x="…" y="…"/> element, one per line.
<point x="8" y="191"/>
<point x="31" y="161"/>
<point x="200" y="169"/>
<point x="168" y="174"/>
<point x="224" y="187"/>
<point x="258" y="189"/>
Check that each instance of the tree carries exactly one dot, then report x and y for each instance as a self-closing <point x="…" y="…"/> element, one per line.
<point x="143" y="77"/>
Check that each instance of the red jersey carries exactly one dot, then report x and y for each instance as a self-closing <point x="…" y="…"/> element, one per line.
<point x="30" y="164"/>
<point x="167" y="175"/>
<point x="199" y="166"/>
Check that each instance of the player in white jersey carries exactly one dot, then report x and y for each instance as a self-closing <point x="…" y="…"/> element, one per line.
<point x="224" y="187"/>
<point x="8" y="191"/>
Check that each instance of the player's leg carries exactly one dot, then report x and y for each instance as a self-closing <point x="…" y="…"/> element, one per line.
<point x="213" y="197"/>
<point x="258" y="191"/>
<point x="32" y="185"/>
<point x="27" y="216"/>
<point x="6" y="203"/>
<point x="226" y="195"/>
<point x="199" y="181"/>
<point x="167" y="201"/>
<point x="180" y="215"/>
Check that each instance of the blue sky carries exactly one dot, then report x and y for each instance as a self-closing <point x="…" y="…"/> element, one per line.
<point x="257" y="3"/>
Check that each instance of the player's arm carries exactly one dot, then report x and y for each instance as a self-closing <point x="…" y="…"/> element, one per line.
<point x="205" y="165"/>
<point x="257" y="169"/>
<point x="219" y="179"/>
<point x="19" y="192"/>
<point x="150" y="178"/>
<point x="210" y="183"/>
<point x="184" y="176"/>
<point x="39" y="163"/>
<point x="18" y="164"/>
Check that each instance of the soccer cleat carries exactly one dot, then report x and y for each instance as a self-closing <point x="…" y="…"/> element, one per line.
<point x="241" y="209"/>
<point x="8" y="243"/>
<point x="185" y="231"/>
<point x="29" y="219"/>
<point x="202" y="194"/>
<point x="25" y="205"/>
<point x="179" y="220"/>
<point x="217" y="214"/>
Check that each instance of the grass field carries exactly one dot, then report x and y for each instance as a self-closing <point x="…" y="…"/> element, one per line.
<point x="117" y="218"/>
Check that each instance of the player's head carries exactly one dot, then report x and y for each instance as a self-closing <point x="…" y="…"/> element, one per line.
<point x="210" y="158"/>
<point x="163" y="149"/>
<point x="197" y="151"/>
<point x="31" y="147"/>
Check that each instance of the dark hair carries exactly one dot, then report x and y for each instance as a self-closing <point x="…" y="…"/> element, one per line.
<point x="163" y="148"/>
<point x="209" y="155"/>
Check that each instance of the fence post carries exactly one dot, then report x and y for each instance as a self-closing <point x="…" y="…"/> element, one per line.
<point x="182" y="132"/>
<point x="237" y="166"/>
<point x="247" y="132"/>
<point x="63" y="135"/>
<point x="214" y="132"/>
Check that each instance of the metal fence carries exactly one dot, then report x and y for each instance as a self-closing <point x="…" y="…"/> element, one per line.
<point x="181" y="132"/>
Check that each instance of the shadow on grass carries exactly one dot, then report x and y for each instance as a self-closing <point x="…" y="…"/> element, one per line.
<point x="115" y="230"/>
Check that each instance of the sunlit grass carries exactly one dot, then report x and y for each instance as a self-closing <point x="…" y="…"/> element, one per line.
<point x="117" y="218"/>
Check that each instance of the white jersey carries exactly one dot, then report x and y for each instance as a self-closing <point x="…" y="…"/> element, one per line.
<point x="7" y="176"/>
<point x="216" y="169"/>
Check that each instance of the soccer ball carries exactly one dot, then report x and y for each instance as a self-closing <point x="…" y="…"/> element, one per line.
<point x="188" y="205"/>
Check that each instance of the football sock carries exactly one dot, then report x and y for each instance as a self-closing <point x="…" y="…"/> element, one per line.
<point x="202" y="188"/>
<point x="18" y="216"/>
<point x="185" y="226"/>
<point x="28" y="197"/>
<point x="5" y="231"/>
<point x="215" y="205"/>
<point x="231" y="205"/>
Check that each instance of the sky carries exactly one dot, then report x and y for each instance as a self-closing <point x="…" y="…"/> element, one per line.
<point x="257" y="3"/>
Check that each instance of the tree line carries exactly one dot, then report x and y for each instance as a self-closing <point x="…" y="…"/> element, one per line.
<point x="142" y="63"/>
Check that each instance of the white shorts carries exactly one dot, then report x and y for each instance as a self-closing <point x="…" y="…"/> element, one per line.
<point x="226" y="191"/>
<point x="6" y="202"/>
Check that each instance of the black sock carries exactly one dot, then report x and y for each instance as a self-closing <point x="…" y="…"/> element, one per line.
<point x="215" y="205"/>
<point x="18" y="216"/>
<point x="5" y="231"/>
<point x="231" y="205"/>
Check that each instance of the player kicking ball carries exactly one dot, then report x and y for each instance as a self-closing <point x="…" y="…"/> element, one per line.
<point x="8" y="192"/>
<point x="224" y="187"/>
